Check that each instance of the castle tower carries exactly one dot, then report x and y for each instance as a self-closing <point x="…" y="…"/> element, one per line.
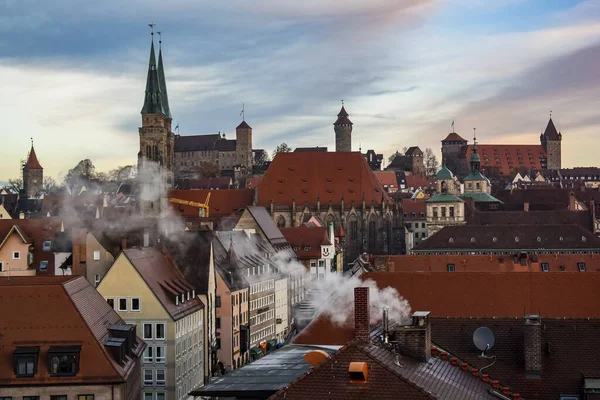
<point x="243" y="145"/>
<point x="33" y="175"/>
<point x="155" y="158"/>
<point x="551" y="140"/>
<point x="343" y="131"/>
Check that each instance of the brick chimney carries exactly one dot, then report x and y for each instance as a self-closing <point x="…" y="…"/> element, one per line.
<point x="79" y="251"/>
<point x="415" y="339"/>
<point x="533" y="346"/>
<point x="362" y="313"/>
<point x="124" y="243"/>
<point x="526" y="206"/>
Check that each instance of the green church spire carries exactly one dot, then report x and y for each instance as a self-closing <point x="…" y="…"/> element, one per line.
<point x="153" y="103"/>
<point x="161" y="80"/>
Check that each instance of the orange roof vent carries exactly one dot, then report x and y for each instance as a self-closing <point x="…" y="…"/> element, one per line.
<point x="315" y="357"/>
<point x="359" y="372"/>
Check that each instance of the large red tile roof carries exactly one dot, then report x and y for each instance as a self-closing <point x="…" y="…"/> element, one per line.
<point x="509" y="156"/>
<point x="417" y="206"/>
<point x="251" y="183"/>
<point x="329" y="176"/>
<point x="222" y="202"/>
<point x="419" y="181"/>
<point x="58" y="311"/>
<point x="387" y="178"/>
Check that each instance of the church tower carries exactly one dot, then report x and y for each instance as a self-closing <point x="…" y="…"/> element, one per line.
<point x="33" y="175"/>
<point x="343" y="131"/>
<point x="155" y="158"/>
<point x="551" y="140"/>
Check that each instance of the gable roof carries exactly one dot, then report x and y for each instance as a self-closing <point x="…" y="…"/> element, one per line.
<point x="164" y="279"/>
<point x="330" y="379"/>
<point x="32" y="161"/>
<point x="387" y="178"/>
<point x="267" y="226"/>
<point x="22" y="234"/>
<point x="196" y="142"/>
<point x="305" y="241"/>
<point x="329" y="176"/>
<point x="469" y="238"/>
<point x="419" y="181"/>
<point x="253" y="182"/>
<point x="556" y="217"/>
<point x="243" y="125"/>
<point x="413" y="150"/>
<point x="416" y="206"/>
<point x="83" y="319"/>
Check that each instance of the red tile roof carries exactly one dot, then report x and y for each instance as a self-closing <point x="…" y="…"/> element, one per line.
<point x="330" y="176"/>
<point x="509" y="156"/>
<point x="330" y="380"/>
<point x="222" y="202"/>
<point x="454" y="137"/>
<point x="387" y="178"/>
<point x="251" y="183"/>
<point x="417" y="206"/>
<point x="303" y="238"/>
<point x="58" y="311"/>
<point x="481" y="263"/>
<point x="419" y="181"/>
<point x="32" y="161"/>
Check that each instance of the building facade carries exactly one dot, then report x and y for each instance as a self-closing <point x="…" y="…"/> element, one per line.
<point x="282" y="310"/>
<point x="147" y="290"/>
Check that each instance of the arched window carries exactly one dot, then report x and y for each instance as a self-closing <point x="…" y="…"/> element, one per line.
<point x="281" y="222"/>
<point x="331" y="218"/>
<point x="353" y="228"/>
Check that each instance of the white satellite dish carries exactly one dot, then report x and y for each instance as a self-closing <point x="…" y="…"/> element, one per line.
<point x="483" y="338"/>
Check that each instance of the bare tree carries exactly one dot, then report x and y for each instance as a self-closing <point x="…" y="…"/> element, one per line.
<point x="49" y="184"/>
<point x="282" y="148"/>
<point x="431" y="163"/>
<point x="14" y="185"/>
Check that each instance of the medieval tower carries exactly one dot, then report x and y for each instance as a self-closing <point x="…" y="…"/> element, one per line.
<point x="551" y="140"/>
<point x="155" y="158"/>
<point x="343" y="131"/>
<point x="33" y="175"/>
<point x="243" y="145"/>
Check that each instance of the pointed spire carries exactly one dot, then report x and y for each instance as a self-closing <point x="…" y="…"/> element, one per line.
<point x="342" y="116"/>
<point x="551" y="133"/>
<point x="475" y="160"/>
<point x="32" y="161"/>
<point x="231" y="255"/>
<point x="161" y="79"/>
<point x="153" y="99"/>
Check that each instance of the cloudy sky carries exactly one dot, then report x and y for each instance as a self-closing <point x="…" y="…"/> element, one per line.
<point x="72" y="73"/>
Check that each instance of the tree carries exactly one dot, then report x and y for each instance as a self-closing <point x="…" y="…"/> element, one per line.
<point x="207" y="170"/>
<point x="49" y="184"/>
<point x="83" y="171"/>
<point x="122" y="173"/>
<point x="396" y="154"/>
<point x="15" y="185"/>
<point x="282" y="148"/>
<point x="261" y="157"/>
<point x="431" y="163"/>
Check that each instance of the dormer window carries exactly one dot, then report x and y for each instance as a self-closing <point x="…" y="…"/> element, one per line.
<point x="188" y="295"/>
<point x="306" y="248"/>
<point x="581" y="266"/>
<point x="47" y="245"/>
<point x="26" y="361"/>
<point x="64" y="360"/>
<point x="183" y="297"/>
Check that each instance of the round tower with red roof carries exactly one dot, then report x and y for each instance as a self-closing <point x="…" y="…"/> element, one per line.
<point x="343" y="131"/>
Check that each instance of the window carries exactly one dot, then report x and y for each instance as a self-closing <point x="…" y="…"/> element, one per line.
<point x="135" y="304"/>
<point x="443" y="212"/>
<point x="85" y="397"/>
<point x="147" y="331"/>
<point x="96" y="255"/>
<point x="161" y="396"/>
<point x="435" y="212"/>
<point x="1" y="266"/>
<point x="149" y="395"/>
<point x="160" y="331"/>
<point x="59" y="397"/>
<point x="451" y="268"/>
<point x="160" y="354"/>
<point x="218" y="301"/>
<point x="581" y="266"/>
<point x="64" y="361"/>
<point x="545" y="267"/>
<point x="569" y="397"/>
<point x="46" y="245"/>
<point x="452" y="211"/>
<point x="26" y="360"/>
<point x="27" y="397"/>
<point x="161" y="376"/>
<point x="16" y="255"/>
<point x="148" y="354"/>
<point x="218" y="343"/>
<point x="148" y="377"/>
<point x="122" y="304"/>
<point x="218" y="322"/>
<point x="43" y="265"/>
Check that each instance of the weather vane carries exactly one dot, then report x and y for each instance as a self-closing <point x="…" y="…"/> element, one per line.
<point x="342" y="103"/>
<point x="550" y="113"/>
<point x="152" y="28"/>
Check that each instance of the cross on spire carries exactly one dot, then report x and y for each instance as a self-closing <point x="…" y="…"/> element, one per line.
<point x="159" y="39"/>
<point x="152" y="28"/>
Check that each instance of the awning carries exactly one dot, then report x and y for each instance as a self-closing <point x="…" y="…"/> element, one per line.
<point x="271" y="344"/>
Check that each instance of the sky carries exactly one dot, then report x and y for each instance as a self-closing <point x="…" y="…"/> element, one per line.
<point x="72" y="73"/>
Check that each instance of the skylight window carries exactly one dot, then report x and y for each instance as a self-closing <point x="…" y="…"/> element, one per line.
<point x="545" y="267"/>
<point x="581" y="266"/>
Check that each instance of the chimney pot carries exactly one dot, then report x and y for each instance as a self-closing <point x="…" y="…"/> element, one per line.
<point x="362" y="315"/>
<point x="533" y="346"/>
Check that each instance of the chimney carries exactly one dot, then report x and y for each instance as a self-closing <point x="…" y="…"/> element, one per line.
<point x="146" y="239"/>
<point x="79" y="251"/>
<point x="386" y="326"/>
<point x="123" y="243"/>
<point x="415" y="339"/>
<point x="331" y="234"/>
<point x="362" y="315"/>
<point x="533" y="346"/>
<point x="526" y="206"/>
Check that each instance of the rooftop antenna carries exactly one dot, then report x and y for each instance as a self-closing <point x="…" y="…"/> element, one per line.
<point x="483" y="339"/>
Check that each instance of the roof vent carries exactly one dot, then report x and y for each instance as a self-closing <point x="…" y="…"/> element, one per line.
<point x="494" y="239"/>
<point x="561" y="238"/>
<point x="472" y="240"/>
<point x="516" y="238"/>
<point x="451" y="240"/>
<point x="359" y="372"/>
<point x="539" y="239"/>
<point x="315" y="357"/>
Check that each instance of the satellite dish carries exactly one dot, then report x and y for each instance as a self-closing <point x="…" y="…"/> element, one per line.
<point x="483" y="338"/>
